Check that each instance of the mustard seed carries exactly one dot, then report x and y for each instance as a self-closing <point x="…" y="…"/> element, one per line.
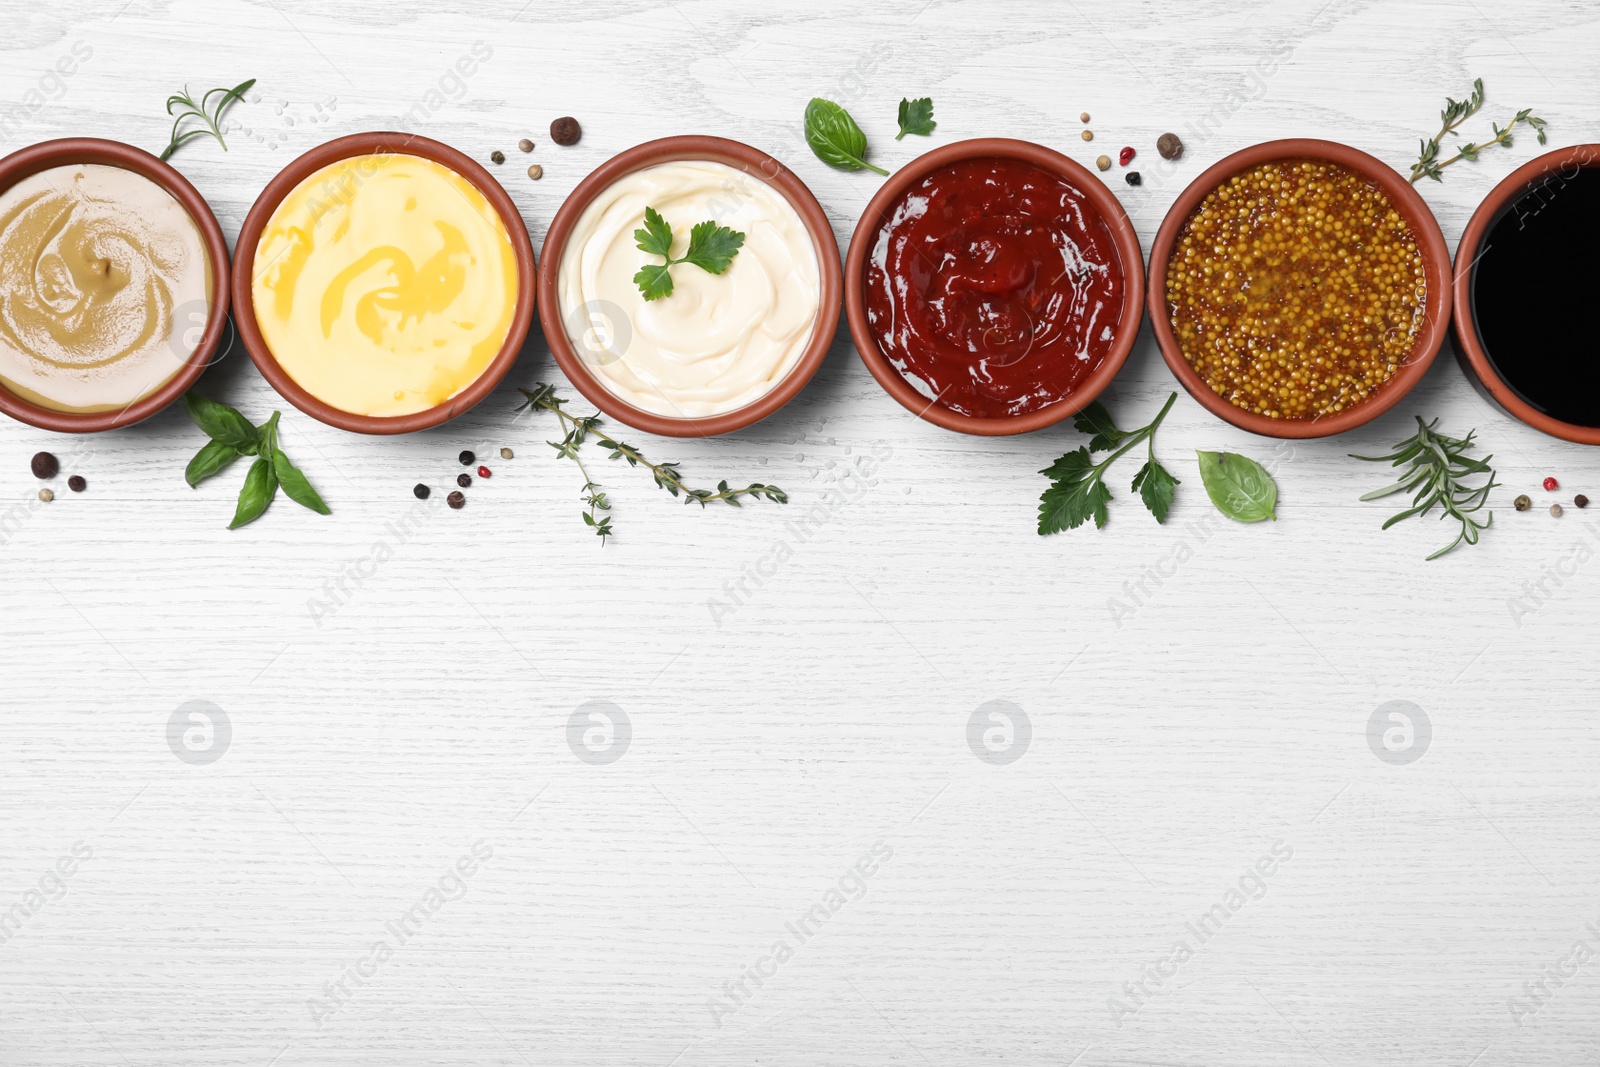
<point x="536" y="172"/>
<point x="1088" y="135"/>
<point x="1104" y="162"/>
<point x="525" y="144"/>
<point x="1084" y="117"/>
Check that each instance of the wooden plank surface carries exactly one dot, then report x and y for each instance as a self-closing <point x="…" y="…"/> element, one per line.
<point x="395" y="701"/>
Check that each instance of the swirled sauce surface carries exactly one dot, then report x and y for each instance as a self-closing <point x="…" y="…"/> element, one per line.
<point x="104" y="287"/>
<point x="994" y="287"/>
<point x="385" y="284"/>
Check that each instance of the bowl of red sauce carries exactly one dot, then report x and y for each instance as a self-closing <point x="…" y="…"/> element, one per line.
<point x="994" y="286"/>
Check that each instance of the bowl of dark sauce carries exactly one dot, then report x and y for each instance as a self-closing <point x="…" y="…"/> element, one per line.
<point x="1527" y="285"/>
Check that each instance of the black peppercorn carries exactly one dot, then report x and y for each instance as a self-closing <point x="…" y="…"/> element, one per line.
<point x="77" y="484"/>
<point x="1133" y="177"/>
<point x="1581" y="500"/>
<point x="457" y="500"/>
<point x="498" y="156"/>
<point x="1522" y="503"/>
<point x="420" y="491"/>
<point x="45" y="465"/>
<point x="467" y="458"/>
<point x="565" y="131"/>
<point x="463" y="480"/>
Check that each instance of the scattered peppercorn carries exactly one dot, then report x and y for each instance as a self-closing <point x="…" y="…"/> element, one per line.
<point x="45" y="465"/>
<point x="77" y="484"/>
<point x="1581" y="500"/>
<point x="1126" y="155"/>
<point x="1133" y="177"/>
<point x="420" y="491"/>
<point x="1104" y="162"/>
<point x="565" y="131"/>
<point x="457" y="500"/>
<point x="1084" y="117"/>
<point x="483" y="472"/>
<point x="467" y="458"/>
<point x="536" y="172"/>
<point x="464" y="480"/>
<point x="1088" y="135"/>
<point x="1522" y="503"/>
<point x="1551" y="485"/>
<point x="1555" y="509"/>
<point x="1170" y="146"/>
<point x="525" y="144"/>
<point x="506" y="453"/>
<point x="498" y="156"/>
<point x="46" y="495"/>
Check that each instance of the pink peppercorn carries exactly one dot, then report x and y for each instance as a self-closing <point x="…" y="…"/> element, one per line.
<point x="483" y="472"/>
<point x="1126" y="155"/>
<point x="1551" y="485"/>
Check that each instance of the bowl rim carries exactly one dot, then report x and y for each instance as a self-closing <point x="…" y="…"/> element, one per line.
<point x="65" y="151"/>
<point x="1430" y="243"/>
<point x="365" y="144"/>
<point x="1470" y="351"/>
<point x="759" y="165"/>
<point x="1112" y="213"/>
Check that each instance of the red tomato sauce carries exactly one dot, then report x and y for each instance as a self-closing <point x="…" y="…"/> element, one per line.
<point x="995" y="287"/>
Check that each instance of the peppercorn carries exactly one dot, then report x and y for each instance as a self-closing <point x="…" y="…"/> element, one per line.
<point x="506" y="453"/>
<point x="1555" y="509"/>
<point x="1104" y="162"/>
<point x="457" y="500"/>
<point x="1125" y="156"/>
<point x="46" y="495"/>
<point x="420" y="491"/>
<point x="483" y="472"/>
<point x="565" y="131"/>
<point x="466" y="458"/>
<point x="525" y="144"/>
<point x="77" y="484"/>
<point x="1133" y="177"/>
<point x="45" y="465"/>
<point x="1581" y="500"/>
<point x="1551" y="485"/>
<point x="498" y="156"/>
<point x="1522" y="503"/>
<point x="1170" y="146"/>
<point x="464" y="480"/>
<point x="1088" y="135"/>
<point x="1084" y="117"/>
<point x="536" y="172"/>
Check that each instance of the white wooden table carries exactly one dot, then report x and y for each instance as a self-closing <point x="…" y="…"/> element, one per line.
<point x="367" y="748"/>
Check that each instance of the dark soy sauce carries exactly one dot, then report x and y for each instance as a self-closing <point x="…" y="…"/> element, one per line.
<point x="1536" y="295"/>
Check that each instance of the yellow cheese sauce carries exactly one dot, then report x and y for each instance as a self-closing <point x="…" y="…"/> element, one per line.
<point x="385" y="284"/>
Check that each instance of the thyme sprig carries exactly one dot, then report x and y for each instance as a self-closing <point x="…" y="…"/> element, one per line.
<point x="1429" y="165"/>
<point x="579" y="428"/>
<point x="209" y="114"/>
<point x="1438" y="473"/>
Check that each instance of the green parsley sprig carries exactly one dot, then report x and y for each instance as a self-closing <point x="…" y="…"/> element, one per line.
<point x="666" y="475"/>
<point x="1078" y="490"/>
<point x="916" y="116"/>
<point x="711" y="248"/>
<point x="209" y="114"/>
<point x="232" y="435"/>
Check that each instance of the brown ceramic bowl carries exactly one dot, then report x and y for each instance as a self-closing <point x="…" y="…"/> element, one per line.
<point x="1470" y="350"/>
<point x="1111" y="213"/>
<point x="35" y="158"/>
<point x="1435" y="259"/>
<point x="758" y="165"/>
<point x="364" y="144"/>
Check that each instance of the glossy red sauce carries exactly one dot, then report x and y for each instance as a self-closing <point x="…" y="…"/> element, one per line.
<point x="995" y="287"/>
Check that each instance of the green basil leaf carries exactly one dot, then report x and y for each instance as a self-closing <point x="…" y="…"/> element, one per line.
<point x="836" y="139"/>
<point x="260" y="486"/>
<point x="294" y="483"/>
<point x="1240" y="487"/>
<point x="220" y="422"/>
<point x="214" y="458"/>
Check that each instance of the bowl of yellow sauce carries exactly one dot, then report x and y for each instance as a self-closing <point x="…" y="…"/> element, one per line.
<point x="384" y="283"/>
<point x="113" y="285"/>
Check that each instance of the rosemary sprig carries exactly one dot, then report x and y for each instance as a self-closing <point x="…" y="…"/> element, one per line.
<point x="210" y="115"/>
<point x="667" y="475"/>
<point x="1428" y="164"/>
<point x="1438" y="472"/>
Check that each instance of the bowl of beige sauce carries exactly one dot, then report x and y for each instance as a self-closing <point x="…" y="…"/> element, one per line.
<point x="113" y="285"/>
